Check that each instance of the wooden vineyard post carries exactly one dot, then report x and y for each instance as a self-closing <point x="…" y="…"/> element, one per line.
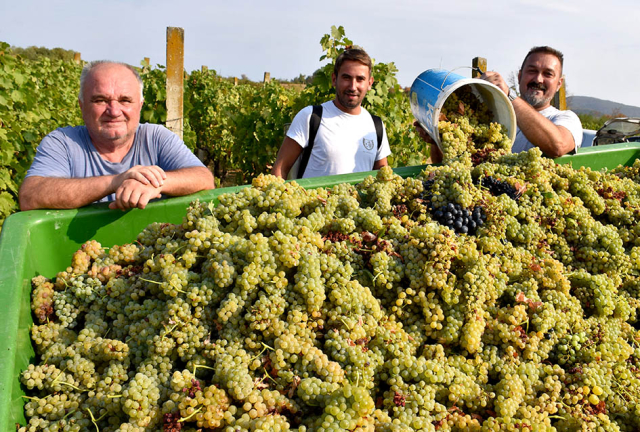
<point x="235" y="81"/>
<point x="479" y="66"/>
<point x="560" y="98"/>
<point x="175" y="79"/>
<point x="267" y="77"/>
<point x="204" y="69"/>
<point x="77" y="57"/>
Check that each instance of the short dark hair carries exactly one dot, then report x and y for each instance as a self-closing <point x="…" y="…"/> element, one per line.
<point x="353" y="53"/>
<point x="545" y="50"/>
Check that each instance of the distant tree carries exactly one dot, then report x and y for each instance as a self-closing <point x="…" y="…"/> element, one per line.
<point x="318" y="76"/>
<point x="300" y="79"/>
<point x="512" y="82"/>
<point x="33" y="53"/>
<point x="616" y="113"/>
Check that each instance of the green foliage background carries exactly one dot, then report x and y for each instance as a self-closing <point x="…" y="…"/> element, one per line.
<point x="235" y="129"/>
<point x="35" y="53"/>
<point x="592" y="122"/>
<point x="36" y="96"/>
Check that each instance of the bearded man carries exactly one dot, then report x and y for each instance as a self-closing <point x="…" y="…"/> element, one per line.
<point x="555" y="132"/>
<point x="540" y="125"/>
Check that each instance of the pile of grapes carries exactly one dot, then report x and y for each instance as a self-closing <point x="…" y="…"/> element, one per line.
<point x="354" y="308"/>
<point x="466" y="129"/>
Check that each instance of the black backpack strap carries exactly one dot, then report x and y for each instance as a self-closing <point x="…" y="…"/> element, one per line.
<point x="377" y="121"/>
<point x="314" y="124"/>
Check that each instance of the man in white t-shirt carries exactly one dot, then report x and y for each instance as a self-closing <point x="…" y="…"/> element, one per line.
<point x="346" y="139"/>
<point x="555" y="132"/>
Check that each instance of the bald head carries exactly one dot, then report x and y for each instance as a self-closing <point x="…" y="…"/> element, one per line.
<point x="111" y="102"/>
<point x="90" y="67"/>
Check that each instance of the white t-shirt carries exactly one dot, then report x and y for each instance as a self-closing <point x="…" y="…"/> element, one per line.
<point x="345" y="143"/>
<point x="568" y="119"/>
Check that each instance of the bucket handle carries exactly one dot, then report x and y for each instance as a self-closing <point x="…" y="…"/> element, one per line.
<point x="454" y="69"/>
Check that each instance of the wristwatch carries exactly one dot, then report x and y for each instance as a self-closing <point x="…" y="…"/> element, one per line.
<point x="512" y="95"/>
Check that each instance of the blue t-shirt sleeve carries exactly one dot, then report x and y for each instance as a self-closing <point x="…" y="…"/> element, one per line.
<point x="52" y="157"/>
<point x="172" y="153"/>
<point x="68" y="153"/>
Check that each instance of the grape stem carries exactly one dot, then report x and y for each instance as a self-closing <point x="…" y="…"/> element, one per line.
<point x="94" y="420"/>
<point x="269" y="376"/>
<point x="151" y="281"/>
<point x="183" y="419"/>
<point x="34" y="398"/>
<point x="196" y="366"/>
<point x="55" y="381"/>
<point x="527" y="323"/>
<point x="166" y="332"/>
<point x="346" y="325"/>
<point x="260" y="353"/>
<point x="376" y="276"/>
<point x="267" y="346"/>
<point x="622" y="388"/>
<point x="68" y="414"/>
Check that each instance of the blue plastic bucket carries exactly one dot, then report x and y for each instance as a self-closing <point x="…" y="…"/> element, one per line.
<point x="431" y="89"/>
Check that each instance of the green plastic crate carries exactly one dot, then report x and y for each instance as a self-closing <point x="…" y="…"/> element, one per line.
<point x="41" y="242"/>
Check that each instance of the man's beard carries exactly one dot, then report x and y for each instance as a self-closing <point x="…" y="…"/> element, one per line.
<point x="346" y="102"/>
<point x="535" y="100"/>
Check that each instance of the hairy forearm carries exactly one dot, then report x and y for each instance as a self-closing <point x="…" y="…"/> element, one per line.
<point x="63" y="193"/>
<point x="186" y="181"/>
<point x="552" y="140"/>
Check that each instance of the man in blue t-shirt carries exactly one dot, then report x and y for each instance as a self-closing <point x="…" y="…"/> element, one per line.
<point x="113" y="157"/>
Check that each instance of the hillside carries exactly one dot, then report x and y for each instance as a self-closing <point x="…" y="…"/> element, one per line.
<point x="598" y="107"/>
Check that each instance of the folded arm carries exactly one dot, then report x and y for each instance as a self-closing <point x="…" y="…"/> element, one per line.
<point x="184" y="181"/>
<point x="62" y="193"/>
<point x="133" y="188"/>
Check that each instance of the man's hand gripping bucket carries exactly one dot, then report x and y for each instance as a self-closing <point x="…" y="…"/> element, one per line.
<point x="431" y="89"/>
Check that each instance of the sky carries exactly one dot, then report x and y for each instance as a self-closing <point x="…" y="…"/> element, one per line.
<point x="599" y="39"/>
